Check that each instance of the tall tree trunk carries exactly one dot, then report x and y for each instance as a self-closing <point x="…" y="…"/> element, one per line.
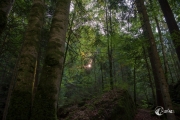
<point x="174" y="58"/>
<point x="70" y="32"/>
<point x="122" y="72"/>
<point x="114" y="71"/>
<point x="159" y="76"/>
<point x="110" y="54"/>
<point x="20" y="103"/>
<point x="174" y="66"/>
<point x="11" y="86"/>
<point x="172" y="25"/>
<point x="46" y="97"/>
<point x="134" y="81"/>
<point x="5" y="8"/>
<point x="146" y="92"/>
<point x="149" y="76"/>
<point x="163" y="50"/>
<point x="102" y="77"/>
<point x="40" y="59"/>
<point x="172" y="79"/>
<point x="109" y="49"/>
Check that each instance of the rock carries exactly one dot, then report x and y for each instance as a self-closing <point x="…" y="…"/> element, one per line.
<point x="114" y="105"/>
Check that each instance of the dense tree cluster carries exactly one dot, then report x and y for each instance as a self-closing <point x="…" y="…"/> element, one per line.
<point x="55" y="53"/>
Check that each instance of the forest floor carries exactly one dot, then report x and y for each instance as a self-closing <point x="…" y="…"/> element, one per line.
<point x="144" y="114"/>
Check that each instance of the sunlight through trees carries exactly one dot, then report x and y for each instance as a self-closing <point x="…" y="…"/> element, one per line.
<point x="58" y="54"/>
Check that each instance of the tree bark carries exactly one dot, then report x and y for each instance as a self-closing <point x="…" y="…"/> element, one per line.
<point x="172" y="79"/>
<point x="134" y="81"/>
<point x="158" y="73"/>
<point x="20" y="103"/>
<point x="109" y="48"/>
<point x="11" y="86"/>
<point x="5" y="8"/>
<point x="172" y="25"/>
<point x="174" y="58"/>
<point x="122" y="72"/>
<point x="102" y="77"/>
<point x="46" y="97"/>
<point x="163" y="50"/>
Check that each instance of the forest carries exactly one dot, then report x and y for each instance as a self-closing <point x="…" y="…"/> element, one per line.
<point x="89" y="59"/>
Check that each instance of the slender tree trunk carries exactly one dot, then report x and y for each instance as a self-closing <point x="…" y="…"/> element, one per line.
<point x="173" y="56"/>
<point x="134" y="81"/>
<point x="68" y="40"/>
<point x="146" y="93"/>
<point x="163" y="50"/>
<point x="10" y="90"/>
<point x="5" y="8"/>
<point x="46" y="97"/>
<point x="109" y="48"/>
<point x="20" y="103"/>
<point x="159" y="76"/>
<point x="102" y="77"/>
<point x="110" y="54"/>
<point x="122" y="72"/>
<point x="174" y="66"/>
<point x="150" y="78"/>
<point x="110" y="71"/>
<point x="95" y="78"/>
<point x="172" y="25"/>
<point x="172" y="79"/>
<point x="114" y="72"/>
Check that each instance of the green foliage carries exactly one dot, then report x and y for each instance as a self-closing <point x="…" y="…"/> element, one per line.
<point x="122" y="85"/>
<point x="144" y="104"/>
<point x="88" y="44"/>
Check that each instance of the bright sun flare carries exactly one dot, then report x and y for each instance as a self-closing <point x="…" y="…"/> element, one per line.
<point x="89" y="65"/>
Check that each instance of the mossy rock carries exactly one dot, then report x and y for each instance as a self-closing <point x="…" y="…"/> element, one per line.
<point x="113" y="105"/>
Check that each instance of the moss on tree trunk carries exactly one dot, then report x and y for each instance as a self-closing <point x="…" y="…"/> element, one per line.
<point x="21" y="99"/>
<point x="46" y="97"/>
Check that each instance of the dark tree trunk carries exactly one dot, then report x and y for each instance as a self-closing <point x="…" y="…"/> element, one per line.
<point x="46" y="98"/>
<point x="172" y="79"/>
<point x="109" y="49"/>
<point x="134" y="81"/>
<point x="122" y="72"/>
<point x="21" y="98"/>
<point x="163" y="50"/>
<point x="5" y="8"/>
<point x="159" y="76"/>
<point x="172" y="25"/>
<point x="102" y="77"/>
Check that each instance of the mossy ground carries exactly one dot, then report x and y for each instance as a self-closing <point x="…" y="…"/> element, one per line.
<point x="113" y="105"/>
